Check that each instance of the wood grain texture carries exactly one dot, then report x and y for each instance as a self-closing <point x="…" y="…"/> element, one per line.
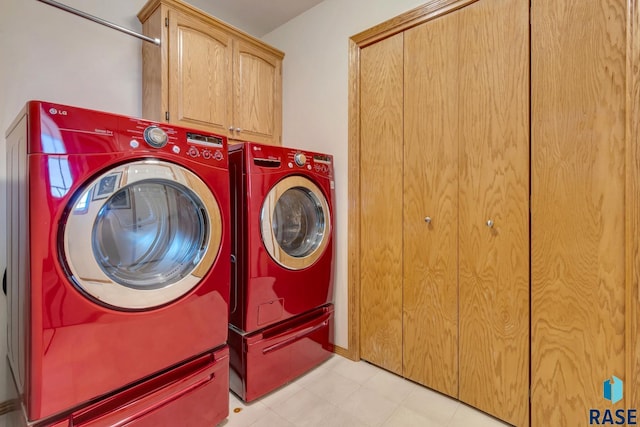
<point x="632" y="229"/>
<point x="149" y="8"/>
<point x="430" y="253"/>
<point x="200" y="73"/>
<point x="431" y="9"/>
<point x="257" y="94"/>
<point x="494" y="185"/>
<point x="353" y="227"/>
<point x="577" y="217"/>
<point x="208" y="75"/>
<point x="381" y="203"/>
<point x="154" y="74"/>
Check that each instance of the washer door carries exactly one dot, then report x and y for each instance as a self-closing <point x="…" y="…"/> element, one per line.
<point x="295" y="222"/>
<point x="142" y="235"/>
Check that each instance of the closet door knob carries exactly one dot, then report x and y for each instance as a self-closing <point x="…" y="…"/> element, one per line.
<point x="490" y="223"/>
<point x="428" y="220"/>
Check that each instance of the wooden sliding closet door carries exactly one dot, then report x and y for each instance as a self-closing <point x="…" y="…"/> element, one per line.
<point x="494" y="208"/>
<point x="381" y="203"/>
<point x="430" y="253"/>
<point x="577" y="207"/>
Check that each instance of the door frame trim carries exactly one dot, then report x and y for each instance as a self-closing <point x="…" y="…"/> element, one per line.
<point x="632" y="209"/>
<point x="430" y="10"/>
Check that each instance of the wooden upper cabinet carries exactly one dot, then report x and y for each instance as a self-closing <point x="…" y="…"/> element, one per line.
<point x="200" y="73"/>
<point x="258" y="89"/>
<point x="208" y="75"/>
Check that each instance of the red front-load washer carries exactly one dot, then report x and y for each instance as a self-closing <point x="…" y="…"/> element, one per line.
<point x="281" y="311"/>
<point x="118" y="262"/>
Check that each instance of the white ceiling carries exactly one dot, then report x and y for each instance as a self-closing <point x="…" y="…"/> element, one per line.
<point x="256" y="17"/>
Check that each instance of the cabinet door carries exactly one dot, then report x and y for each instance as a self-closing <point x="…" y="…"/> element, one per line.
<point x="578" y="208"/>
<point x="381" y="204"/>
<point x="431" y="204"/>
<point x="494" y="186"/>
<point x="257" y="112"/>
<point x="200" y="74"/>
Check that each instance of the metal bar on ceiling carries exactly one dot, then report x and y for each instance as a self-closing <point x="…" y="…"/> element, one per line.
<point x="100" y="21"/>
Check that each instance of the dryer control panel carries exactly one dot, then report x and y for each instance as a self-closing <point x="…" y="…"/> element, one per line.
<point x="199" y="146"/>
<point x="73" y="130"/>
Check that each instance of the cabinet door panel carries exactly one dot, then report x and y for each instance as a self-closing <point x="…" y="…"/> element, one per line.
<point x="257" y="95"/>
<point x="494" y="185"/>
<point x="381" y="204"/>
<point x="431" y="190"/>
<point x="200" y="72"/>
<point x="578" y="207"/>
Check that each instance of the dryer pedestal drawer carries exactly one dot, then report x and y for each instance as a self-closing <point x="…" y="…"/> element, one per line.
<point x="192" y="395"/>
<point x="262" y="361"/>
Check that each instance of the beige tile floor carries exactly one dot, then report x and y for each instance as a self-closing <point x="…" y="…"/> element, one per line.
<point x="342" y="393"/>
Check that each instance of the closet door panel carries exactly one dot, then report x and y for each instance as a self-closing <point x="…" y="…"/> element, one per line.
<point x="577" y="207"/>
<point x="494" y="208"/>
<point x="431" y="205"/>
<point x="381" y="203"/>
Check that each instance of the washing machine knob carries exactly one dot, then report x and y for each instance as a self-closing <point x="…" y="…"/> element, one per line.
<point x="155" y="137"/>
<point x="300" y="159"/>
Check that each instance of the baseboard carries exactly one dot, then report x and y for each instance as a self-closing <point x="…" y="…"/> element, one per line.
<point x="344" y="353"/>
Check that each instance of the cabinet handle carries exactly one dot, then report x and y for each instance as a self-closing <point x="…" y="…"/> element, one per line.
<point x="428" y="220"/>
<point x="490" y="223"/>
<point x="230" y="128"/>
<point x="238" y="130"/>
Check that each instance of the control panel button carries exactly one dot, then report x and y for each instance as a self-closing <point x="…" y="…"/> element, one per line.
<point x="193" y="152"/>
<point x="206" y="154"/>
<point x="155" y="137"/>
<point x="176" y="149"/>
<point x="134" y="144"/>
<point x="290" y="164"/>
<point x="300" y="159"/>
<point x="218" y="155"/>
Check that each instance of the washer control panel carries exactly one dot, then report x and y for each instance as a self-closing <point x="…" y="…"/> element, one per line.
<point x="268" y="157"/>
<point x="200" y="146"/>
<point x="321" y="164"/>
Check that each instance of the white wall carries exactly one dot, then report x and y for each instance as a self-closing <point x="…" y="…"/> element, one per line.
<point x="51" y="55"/>
<point x="315" y="104"/>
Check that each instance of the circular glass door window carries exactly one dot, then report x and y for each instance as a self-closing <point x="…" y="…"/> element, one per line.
<point x="295" y="222"/>
<point x="141" y="235"/>
<point x="150" y="234"/>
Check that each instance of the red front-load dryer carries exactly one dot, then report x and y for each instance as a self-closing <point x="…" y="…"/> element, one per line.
<point x="281" y="311"/>
<point x="118" y="267"/>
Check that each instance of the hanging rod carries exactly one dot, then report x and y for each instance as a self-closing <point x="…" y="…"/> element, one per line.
<point x="100" y="21"/>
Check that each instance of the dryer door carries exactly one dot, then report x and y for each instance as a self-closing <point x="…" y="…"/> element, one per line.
<point x="141" y="235"/>
<point x="295" y="222"/>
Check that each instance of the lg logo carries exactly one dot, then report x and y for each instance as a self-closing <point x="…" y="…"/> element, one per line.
<point x="54" y="111"/>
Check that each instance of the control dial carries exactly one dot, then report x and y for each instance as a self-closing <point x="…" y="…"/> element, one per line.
<point x="300" y="159"/>
<point x="155" y="137"/>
